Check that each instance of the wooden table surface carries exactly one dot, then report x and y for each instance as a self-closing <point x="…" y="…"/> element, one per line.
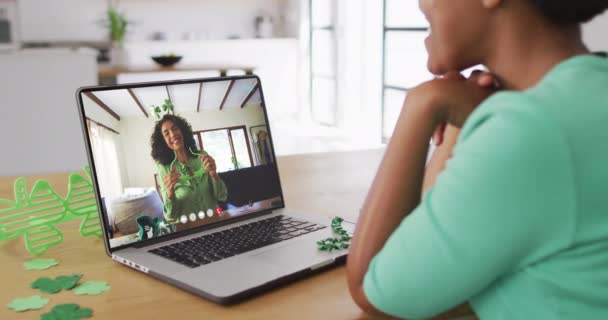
<point x="330" y="184"/>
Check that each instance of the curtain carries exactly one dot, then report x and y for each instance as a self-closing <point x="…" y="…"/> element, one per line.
<point x="105" y="155"/>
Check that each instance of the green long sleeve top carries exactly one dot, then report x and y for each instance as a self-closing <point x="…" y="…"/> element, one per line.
<point x="193" y="192"/>
<point x="517" y="223"/>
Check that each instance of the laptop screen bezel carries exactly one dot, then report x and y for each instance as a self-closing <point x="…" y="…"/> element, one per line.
<point x="94" y="181"/>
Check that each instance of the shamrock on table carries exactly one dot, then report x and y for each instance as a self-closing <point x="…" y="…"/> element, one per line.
<point x="68" y="311"/>
<point x="92" y="288"/>
<point x="29" y="303"/>
<point x="47" y="285"/>
<point x="68" y="282"/>
<point x="40" y="264"/>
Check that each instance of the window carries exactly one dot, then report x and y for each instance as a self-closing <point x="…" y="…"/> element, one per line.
<point x="404" y="59"/>
<point x="228" y="146"/>
<point x="323" y="61"/>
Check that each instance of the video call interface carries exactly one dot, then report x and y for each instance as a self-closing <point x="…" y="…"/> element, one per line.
<point x="169" y="158"/>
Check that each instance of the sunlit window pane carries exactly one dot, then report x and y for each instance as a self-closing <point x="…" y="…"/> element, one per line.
<point x="406" y="59"/>
<point x="198" y="145"/>
<point x="404" y="13"/>
<point x="322" y="13"/>
<point x="323" y="100"/>
<point x="323" y="51"/>
<point x="240" y="148"/>
<point x="217" y="145"/>
<point x="393" y="102"/>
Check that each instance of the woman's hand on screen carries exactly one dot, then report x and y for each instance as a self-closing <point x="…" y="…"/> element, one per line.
<point x="170" y="180"/>
<point x="209" y="164"/>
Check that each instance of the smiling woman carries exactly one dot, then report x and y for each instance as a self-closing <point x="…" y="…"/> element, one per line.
<point x="189" y="179"/>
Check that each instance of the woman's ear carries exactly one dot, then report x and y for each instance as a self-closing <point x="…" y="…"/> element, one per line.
<point x="491" y="4"/>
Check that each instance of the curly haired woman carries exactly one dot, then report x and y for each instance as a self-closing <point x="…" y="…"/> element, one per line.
<point x="190" y="180"/>
<point x="514" y="220"/>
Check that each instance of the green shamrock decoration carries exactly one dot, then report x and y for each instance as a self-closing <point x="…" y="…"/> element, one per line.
<point x="47" y="285"/>
<point x="40" y="264"/>
<point x="29" y="303"/>
<point x="33" y="216"/>
<point x="92" y="288"/>
<point x="337" y="243"/>
<point x="80" y="201"/>
<point x="68" y="311"/>
<point x="166" y="108"/>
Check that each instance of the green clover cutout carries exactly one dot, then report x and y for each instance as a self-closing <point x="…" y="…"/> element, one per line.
<point x="68" y="311"/>
<point x="29" y="303"/>
<point x="68" y="282"/>
<point x="46" y="285"/>
<point x="40" y="264"/>
<point x="92" y="288"/>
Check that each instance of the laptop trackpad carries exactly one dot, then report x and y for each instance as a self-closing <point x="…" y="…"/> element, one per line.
<point x="297" y="256"/>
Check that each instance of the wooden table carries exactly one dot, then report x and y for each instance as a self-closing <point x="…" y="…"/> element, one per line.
<point x="107" y="74"/>
<point x="330" y="184"/>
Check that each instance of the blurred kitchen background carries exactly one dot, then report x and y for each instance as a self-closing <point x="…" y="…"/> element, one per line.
<point x="334" y="72"/>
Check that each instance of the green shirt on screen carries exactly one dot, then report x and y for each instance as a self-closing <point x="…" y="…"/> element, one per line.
<point x="517" y="223"/>
<point x="193" y="193"/>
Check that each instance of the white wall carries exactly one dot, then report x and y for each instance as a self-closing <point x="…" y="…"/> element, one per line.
<point x="595" y="33"/>
<point x="135" y="135"/>
<point x="276" y="62"/>
<point x="69" y="20"/>
<point x="40" y="131"/>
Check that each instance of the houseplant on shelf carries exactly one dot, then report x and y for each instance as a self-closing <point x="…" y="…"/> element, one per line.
<point x="117" y="24"/>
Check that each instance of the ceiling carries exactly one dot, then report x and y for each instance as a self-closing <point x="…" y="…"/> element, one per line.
<point x="216" y="95"/>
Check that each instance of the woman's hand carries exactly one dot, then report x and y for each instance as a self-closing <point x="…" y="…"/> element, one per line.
<point x="452" y="98"/>
<point x="209" y="165"/>
<point x="482" y="79"/>
<point x="170" y="180"/>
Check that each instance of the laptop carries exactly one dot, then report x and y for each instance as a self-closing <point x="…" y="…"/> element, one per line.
<point x="189" y="191"/>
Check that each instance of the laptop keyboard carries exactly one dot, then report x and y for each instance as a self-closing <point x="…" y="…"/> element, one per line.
<point x="227" y="243"/>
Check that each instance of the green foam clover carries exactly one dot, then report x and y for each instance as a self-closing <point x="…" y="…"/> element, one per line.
<point x="40" y="264"/>
<point x="68" y="311"/>
<point x="68" y="282"/>
<point x="46" y="285"/>
<point x="92" y="288"/>
<point x="29" y="303"/>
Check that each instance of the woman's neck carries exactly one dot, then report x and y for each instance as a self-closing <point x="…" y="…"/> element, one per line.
<point x="182" y="155"/>
<point x="523" y="53"/>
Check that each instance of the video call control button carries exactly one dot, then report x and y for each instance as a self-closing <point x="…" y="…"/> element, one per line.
<point x="193" y="217"/>
<point x="201" y="214"/>
<point x="183" y="219"/>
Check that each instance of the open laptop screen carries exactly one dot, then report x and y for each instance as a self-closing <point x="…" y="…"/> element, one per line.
<point x="168" y="157"/>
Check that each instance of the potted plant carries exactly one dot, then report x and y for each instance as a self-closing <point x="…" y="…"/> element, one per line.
<point x="117" y="24"/>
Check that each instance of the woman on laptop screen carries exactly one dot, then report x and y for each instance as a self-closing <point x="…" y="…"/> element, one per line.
<point x="513" y="221"/>
<point x="189" y="179"/>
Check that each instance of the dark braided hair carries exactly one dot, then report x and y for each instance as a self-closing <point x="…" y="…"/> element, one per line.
<point x="160" y="151"/>
<point x="568" y="12"/>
